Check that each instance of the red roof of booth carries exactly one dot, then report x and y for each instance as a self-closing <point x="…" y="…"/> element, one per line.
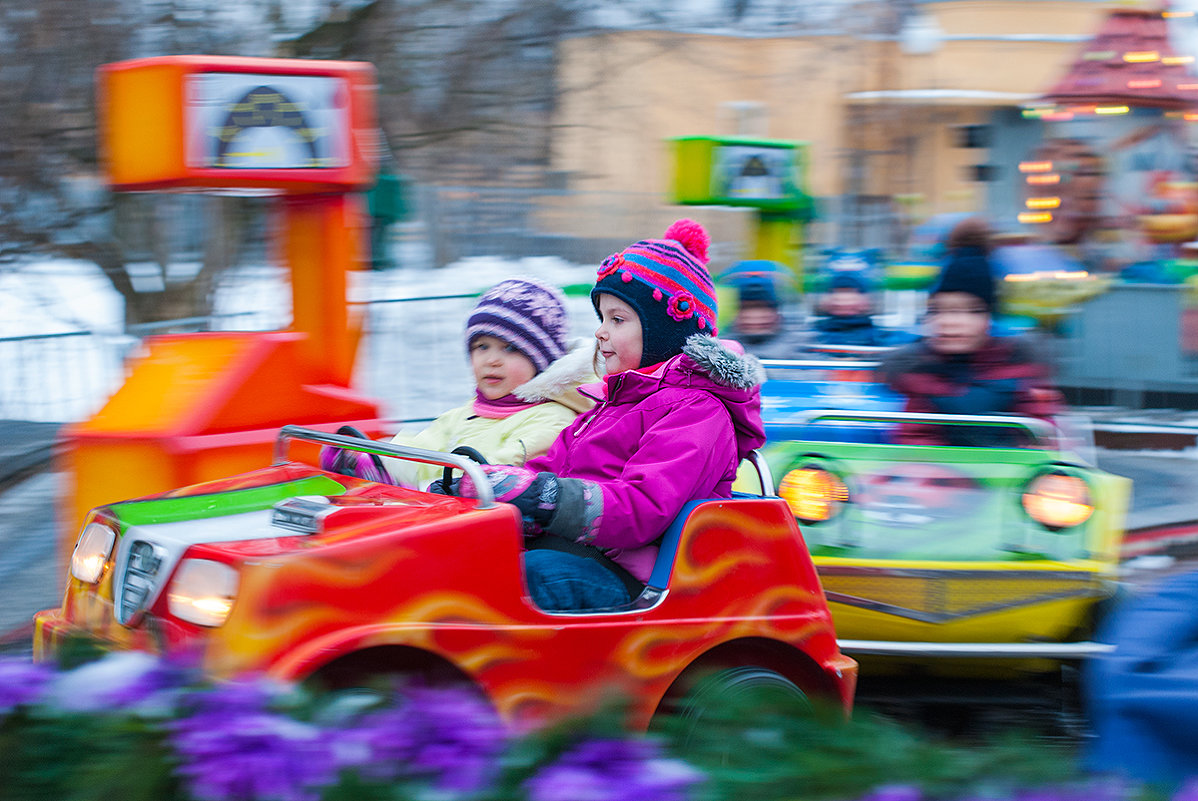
<point x="1130" y="62"/>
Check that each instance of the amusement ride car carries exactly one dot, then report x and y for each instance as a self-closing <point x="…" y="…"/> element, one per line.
<point x="309" y="575"/>
<point x="945" y="562"/>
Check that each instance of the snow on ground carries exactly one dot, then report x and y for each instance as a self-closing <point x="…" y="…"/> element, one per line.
<point x="56" y="296"/>
<point x="412" y="357"/>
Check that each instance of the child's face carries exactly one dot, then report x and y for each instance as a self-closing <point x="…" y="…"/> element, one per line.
<point x="958" y="322"/>
<point x="498" y="367"/>
<point x="619" y="334"/>
<point x="756" y="318"/>
<point x="845" y="302"/>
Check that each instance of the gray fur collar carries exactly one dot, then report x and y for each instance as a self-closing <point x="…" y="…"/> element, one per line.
<point x="724" y="366"/>
<point x="562" y="377"/>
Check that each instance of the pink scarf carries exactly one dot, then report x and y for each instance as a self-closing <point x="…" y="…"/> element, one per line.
<point x="500" y="408"/>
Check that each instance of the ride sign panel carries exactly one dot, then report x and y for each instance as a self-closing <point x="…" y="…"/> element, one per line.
<point x="256" y="121"/>
<point x="754" y="172"/>
<point x="731" y="171"/>
<point x="253" y="125"/>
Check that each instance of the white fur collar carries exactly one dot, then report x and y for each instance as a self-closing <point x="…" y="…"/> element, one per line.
<point x="560" y="380"/>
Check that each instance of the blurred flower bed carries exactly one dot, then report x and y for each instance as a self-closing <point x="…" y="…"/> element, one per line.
<point x="132" y="727"/>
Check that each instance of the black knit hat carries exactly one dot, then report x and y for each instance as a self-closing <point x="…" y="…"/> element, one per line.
<point x="856" y="280"/>
<point x="967" y="270"/>
<point x="758" y="289"/>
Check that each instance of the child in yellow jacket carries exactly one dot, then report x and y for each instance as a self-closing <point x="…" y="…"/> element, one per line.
<point x="526" y="376"/>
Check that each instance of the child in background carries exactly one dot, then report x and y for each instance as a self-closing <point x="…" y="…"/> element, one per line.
<point x="960" y="367"/>
<point x="760" y="325"/>
<point x="846" y="313"/>
<point x="677" y="412"/>
<point x="846" y="308"/>
<point x="526" y="386"/>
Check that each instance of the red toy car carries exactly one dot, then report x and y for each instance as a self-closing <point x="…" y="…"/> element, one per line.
<point x="306" y="574"/>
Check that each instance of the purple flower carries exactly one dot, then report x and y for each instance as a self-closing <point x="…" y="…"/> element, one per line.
<point x="447" y="736"/>
<point x="1188" y="791"/>
<point x="612" y="770"/>
<point x="233" y="748"/>
<point x="22" y="683"/>
<point x="123" y="680"/>
<point x="894" y="792"/>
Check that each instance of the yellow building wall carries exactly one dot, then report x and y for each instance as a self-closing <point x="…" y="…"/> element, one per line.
<point x="624" y="94"/>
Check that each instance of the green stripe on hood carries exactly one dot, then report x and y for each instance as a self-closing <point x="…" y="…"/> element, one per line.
<point x="218" y="504"/>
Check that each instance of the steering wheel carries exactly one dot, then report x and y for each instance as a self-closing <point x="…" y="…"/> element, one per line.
<point x="447" y="473"/>
<point x="339" y="466"/>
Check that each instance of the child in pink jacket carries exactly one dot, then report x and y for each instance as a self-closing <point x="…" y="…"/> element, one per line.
<point x="676" y="413"/>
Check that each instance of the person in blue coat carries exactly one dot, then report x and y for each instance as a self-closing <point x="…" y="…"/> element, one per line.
<point x="1142" y="698"/>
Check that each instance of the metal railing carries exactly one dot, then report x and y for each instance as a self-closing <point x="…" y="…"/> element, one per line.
<point x="1040" y="431"/>
<point x="412" y="359"/>
<point x="61" y="377"/>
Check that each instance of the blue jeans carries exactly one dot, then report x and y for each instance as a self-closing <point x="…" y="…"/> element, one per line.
<point x="563" y="582"/>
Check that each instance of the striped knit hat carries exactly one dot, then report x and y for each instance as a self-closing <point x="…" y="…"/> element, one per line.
<point x="666" y="283"/>
<point x="527" y="314"/>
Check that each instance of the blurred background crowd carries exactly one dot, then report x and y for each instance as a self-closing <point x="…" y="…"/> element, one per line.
<point x="514" y="129"/>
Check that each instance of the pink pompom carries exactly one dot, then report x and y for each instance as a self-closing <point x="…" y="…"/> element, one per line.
<point x="657" y="294"/>
<point x="691" y="236"/>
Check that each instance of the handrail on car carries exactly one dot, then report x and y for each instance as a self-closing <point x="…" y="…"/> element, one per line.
<point x="838" y="362"/>
<point x="851" y="350"/>
<point x="819" y="364"/>
<point x="486" y="498"/>
<point x="764" y="474"/>
<point x="1039" y="430"/>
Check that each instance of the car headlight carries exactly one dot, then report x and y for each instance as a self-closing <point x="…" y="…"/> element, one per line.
<point x="92" y="551"/>
<point x="813" y="493"/>
<point x="203" y="592"/>
<point x="1058" y="500"/>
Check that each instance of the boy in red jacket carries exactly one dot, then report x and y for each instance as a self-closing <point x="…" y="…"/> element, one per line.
<point x="960" y="368"/>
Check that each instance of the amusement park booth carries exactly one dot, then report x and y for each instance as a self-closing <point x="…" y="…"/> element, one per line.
<point x="1112" y="188"/>
<point x="203" y="405"/>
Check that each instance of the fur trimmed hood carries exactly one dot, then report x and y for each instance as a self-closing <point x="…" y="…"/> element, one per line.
<point x="705" y="364"/>
<point x="560" y="380"/>
<point x="724" y="362"/>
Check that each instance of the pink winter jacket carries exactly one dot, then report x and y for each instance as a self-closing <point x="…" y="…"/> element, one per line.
<point x="654" y="442"/>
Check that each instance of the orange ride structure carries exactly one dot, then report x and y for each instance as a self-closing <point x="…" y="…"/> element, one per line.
<point x="200" y="406"/>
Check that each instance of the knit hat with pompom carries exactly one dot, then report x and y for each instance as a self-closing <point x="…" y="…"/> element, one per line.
<point x="666" y="282"/>
<point x="527" y="314"/>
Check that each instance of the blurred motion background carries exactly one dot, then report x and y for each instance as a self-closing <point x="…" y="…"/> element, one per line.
<point x="533" y="137"/>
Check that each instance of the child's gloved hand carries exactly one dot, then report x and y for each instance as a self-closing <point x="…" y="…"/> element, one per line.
<point x="507" y="482"/>
<point x="534" y="494"/>
<point x="352" y="463"/>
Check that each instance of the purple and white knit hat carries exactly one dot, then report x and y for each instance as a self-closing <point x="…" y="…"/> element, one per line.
<point x="525" y="313"/>
<point x="666" y="282"/>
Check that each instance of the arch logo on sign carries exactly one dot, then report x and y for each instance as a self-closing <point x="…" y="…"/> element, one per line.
<point x="252" y="121"/>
